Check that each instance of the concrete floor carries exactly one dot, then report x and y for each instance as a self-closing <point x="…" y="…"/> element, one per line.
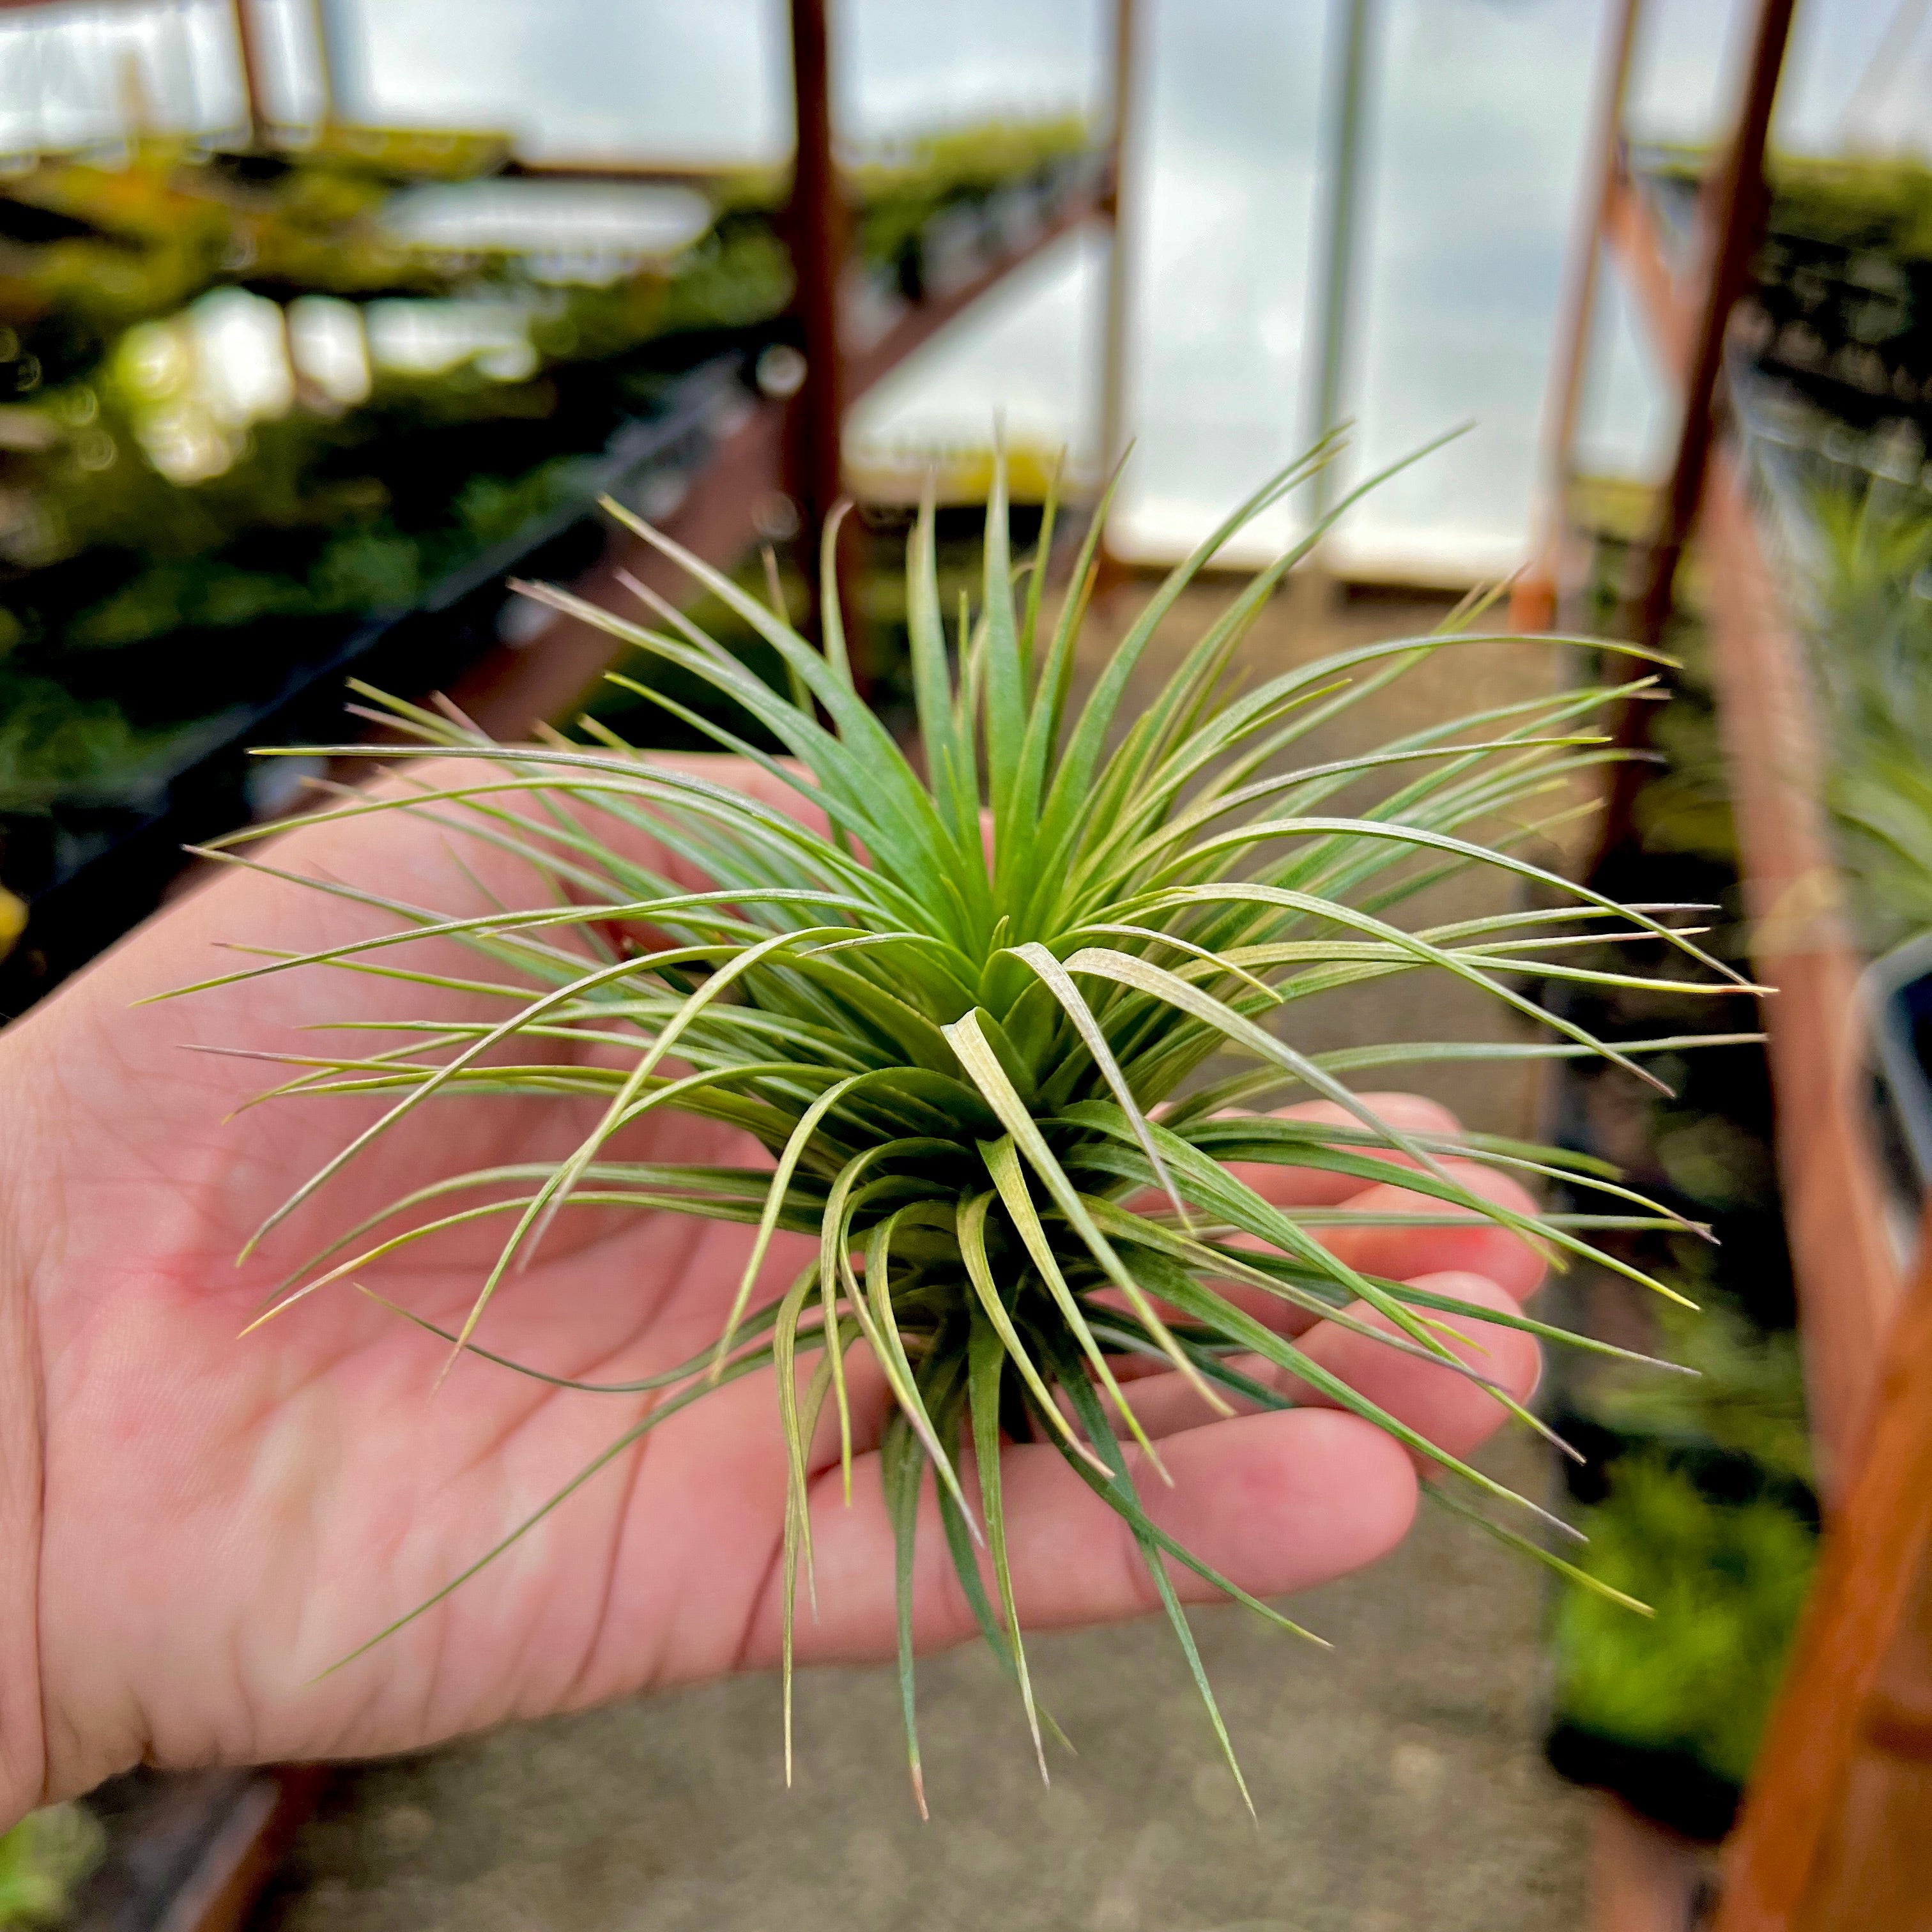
<point x="1397" y="1781"/>
<point x="1398" y="1778"/>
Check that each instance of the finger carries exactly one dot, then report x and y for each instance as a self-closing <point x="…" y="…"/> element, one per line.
<point x="1468" y="1243"/>
<point x="869" y="1405"/>
<point x="1290" y="1186"/>
<point x="1311" y="1187"/>
<point x="1461" y="1241"/>
<point x="1277" y="1503"/>
<point x="1451" y="1411"/>
<point x="632" y="840"/>
<point x="1459" y="1238"/>
<point x="1413" y="1113"/>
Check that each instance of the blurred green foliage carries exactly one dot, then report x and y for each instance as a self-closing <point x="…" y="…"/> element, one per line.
<point x="1874" y="658"/>
<point x="42" y="1859"/>
<point x="899" y="195"/>
<point x="1727" y="1581"/>
<point x="1881" y="202"/>
<point x="160" y="560"/>
<point x="1746" y="1393"/>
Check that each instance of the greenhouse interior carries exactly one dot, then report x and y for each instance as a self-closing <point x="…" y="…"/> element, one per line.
<point x="955" y="556"/>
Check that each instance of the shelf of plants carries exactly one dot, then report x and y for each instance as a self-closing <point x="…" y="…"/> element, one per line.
<point x="1703" y="1498"/>
<point x="1828" y="381"/>
<point x="279" y="420"/>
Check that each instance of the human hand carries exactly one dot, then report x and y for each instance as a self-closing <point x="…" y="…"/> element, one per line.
<point x="200" y="1525"/>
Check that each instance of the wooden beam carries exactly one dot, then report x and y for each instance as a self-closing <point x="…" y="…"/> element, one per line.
<point x="1834" y="1815"/>
<point x="192" y="1852"/>
<point x="921" y="321"/>
<point x="1787" y="1866"/>
<point x="1635" y="239"/>
<point x="1736" y="212"/>
<point x="817" y="232"/>
<point x="254" y="74"/>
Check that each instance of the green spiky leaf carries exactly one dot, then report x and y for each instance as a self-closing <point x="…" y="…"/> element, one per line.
<point x="964" y="1002"/>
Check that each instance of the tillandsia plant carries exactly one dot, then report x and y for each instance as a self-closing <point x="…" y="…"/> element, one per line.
<point x="965" y="999"/>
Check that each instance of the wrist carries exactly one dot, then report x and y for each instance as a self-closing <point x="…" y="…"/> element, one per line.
<point x="23" y="1726"/>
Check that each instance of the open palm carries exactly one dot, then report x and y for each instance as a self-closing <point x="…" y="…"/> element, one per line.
<point x="224" y="1517"/>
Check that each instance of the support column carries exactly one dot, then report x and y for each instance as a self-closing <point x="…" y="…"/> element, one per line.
<point x="1118" y="288"/>
<point x="1346" y="98"/>
<point x="817" y="231"/>
<point x="254" y="77"/>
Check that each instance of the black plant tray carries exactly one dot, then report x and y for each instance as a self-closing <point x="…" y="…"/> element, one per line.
<point x="189" y="1851"/>
<point x="1847" y="325"/>
<point x="1724" y="1474"/>
<point x="90" y="872"/>
<point x="1672" y="1789"/>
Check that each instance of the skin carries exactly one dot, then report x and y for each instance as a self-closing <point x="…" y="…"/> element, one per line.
<point x="193" y="1526"/>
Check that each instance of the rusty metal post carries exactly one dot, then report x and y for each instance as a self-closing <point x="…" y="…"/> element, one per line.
<point x="248" y="44"/>
<point x="817" y="230"/>
<point x="1737" y="214"/>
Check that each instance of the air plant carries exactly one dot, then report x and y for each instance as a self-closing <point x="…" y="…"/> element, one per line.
<point x="969" y="1020"/>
